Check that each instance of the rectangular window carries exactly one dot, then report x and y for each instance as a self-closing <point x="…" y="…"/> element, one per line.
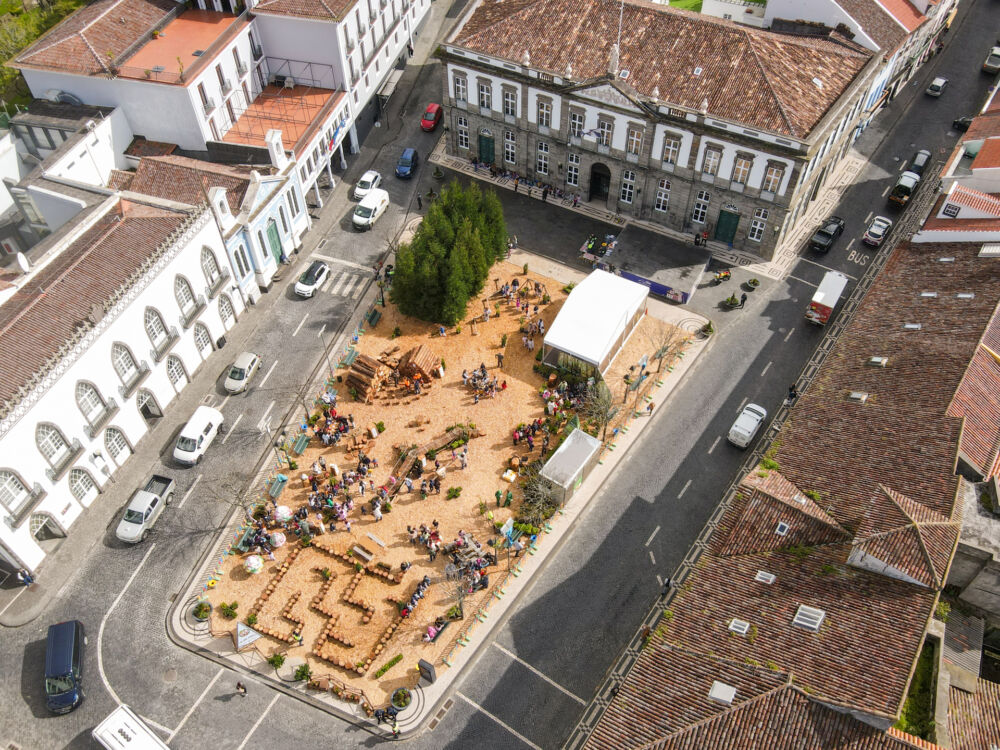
<point x="671" y="149"/>
<point x="710" y="165"/>
<point x="741" y="170"/>
<point x="239" y="63"/>
<point x="700" y="210"/>
<point x="628" y="186"/>
<point x="542" y="163"/>
<point x="573" y="170"/>
<point x="509" y="147"/>
<point x="772" y="179"/>
<point x="756" y="233"/>
<point x="461" y="89"/>
<point x="633" y="143"/>
<point x="220" y="76"/>
<point x="510" y="103"/>
<point x="662" y="200"/>
<point x="293" y="203"/>
<point x="604" y="131"/>
<point x="463" y="132"/>
<point x="215" y="130"/>
<point x="544" y="114"/>
<point x="576" y="124"/>
<point x="485" y="96"/>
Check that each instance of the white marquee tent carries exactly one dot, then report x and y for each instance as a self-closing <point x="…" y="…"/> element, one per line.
<point x="595" y="322"/>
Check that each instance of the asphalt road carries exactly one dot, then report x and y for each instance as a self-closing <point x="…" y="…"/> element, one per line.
<point x="530" y="684"/>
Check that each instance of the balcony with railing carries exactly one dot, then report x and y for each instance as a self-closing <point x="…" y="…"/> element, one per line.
<point x="164" y="347"/>
<point x="241" y="68"/>
<point x="209" y="105"/>
<point x="226" y="85"/>
<point x="138" y="378"/>
<point x="191" y="315"/>
<point x="18" y="515"/>
<point x="58" y="470"/>
<point x="218" y="283"/>
<point x="100" y="421"/>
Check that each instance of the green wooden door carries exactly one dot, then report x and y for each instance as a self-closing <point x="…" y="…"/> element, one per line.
<point x="486" y="148"/>
<point x="273" y="240"/>
<point x="725" y="227"/>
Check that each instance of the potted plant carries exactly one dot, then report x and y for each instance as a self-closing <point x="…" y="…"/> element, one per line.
<point x="732" y="301"/>
<point x="708" y="328"/>
<point x="401" y="698"/>
<point x="438" y="174"/>
<point x="201" y="611"/>
<point x="753" y="284"/>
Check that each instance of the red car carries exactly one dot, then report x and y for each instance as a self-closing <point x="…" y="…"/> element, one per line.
<point x="431" y="117"/>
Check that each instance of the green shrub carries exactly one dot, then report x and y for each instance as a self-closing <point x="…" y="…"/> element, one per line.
<point x="431" y="454"/>
<point x="812" y="495"/>
<point x="276" y="660"/>
<point x="396" y="332"/>
<point x="388" y="665"/>
<point x="454" y="492"/>
<point x="303" y="672"/>
<point x="380" y="426"/>
<point x="229" y="610"/>
<point x="769" y="464"/>
<point x="251" y="619"/>
<point x="306" y="540"/>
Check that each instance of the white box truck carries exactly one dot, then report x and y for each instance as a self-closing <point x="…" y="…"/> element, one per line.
<point x="124" y="730"/>
<point x="826" y="298"/>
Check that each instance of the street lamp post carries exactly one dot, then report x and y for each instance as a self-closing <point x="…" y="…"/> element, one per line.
<point x="381" y="292"/>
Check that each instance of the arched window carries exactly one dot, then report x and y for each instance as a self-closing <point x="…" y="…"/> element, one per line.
<point x="89" y="401"/>
<point x="242" y="263"/>
<point x="82" y="486"/>
<point x="210" y="266"/>
<point x="51" y="443"/>
<point x="124" y="362"/>
<point x="116" y="444"/>
<point x="226" y="311"/>
<point x="263" y="245"/>
<point x="202" y="340"/>
<point x="175" y="370"/>
<point x="155" y="329"/>
<point x="13" y="494"/>
<point x="185" y="297"/>
<point x="284" y="221"/>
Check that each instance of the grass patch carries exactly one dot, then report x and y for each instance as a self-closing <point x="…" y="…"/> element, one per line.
<point x="694" y="5"/>
<point x="917" y="717"/>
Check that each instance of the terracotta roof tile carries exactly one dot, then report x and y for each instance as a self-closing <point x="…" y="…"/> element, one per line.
<point x="978" y="401"/>
<point x="326" y="9"/>
<point x="983" y="126"/>
<point x="877" y="22"/>
<point x="989" y="154"/>
<point x="944" y="224"/>
<point x="186" y="180"/>
<point x="904" y="13"/>
<point x="140" y="147"/>
<point x="44" y="313"/>
<point x="760" y="78"/>
<point x="786" y="719"/>
<point x="974" y="718"/>
<point x="81" y="43"/>
<point x="975" y="199"/>
<point x="120" y="180"/>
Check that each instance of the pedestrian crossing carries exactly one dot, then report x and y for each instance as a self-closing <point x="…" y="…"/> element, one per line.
<point x="344" y="284"/>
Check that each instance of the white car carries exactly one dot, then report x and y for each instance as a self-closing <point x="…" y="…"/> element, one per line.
<point x="369" y="209"/>
<point x="992" y="64"/>
<point x="312" y="279"/>
<point x="937" y="86"/>
<point x="197" y="435"/>
<point x="244" y="368"/>
<point x="368" y="182"/>
<point x="747" y="425"/>
<point x="140" y="515"/>
<point x="877" y="231"/>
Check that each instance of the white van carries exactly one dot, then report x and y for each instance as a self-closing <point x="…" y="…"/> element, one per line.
<point x="370" y="208"/>
<point x="124" y="730"/>
<point x="197" y="435"/>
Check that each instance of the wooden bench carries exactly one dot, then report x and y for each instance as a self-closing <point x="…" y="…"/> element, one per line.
<point x="373" y="317"/>
<point x="440" y="630"/>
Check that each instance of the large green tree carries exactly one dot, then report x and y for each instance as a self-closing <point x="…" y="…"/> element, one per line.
<point x="449" y="258"/>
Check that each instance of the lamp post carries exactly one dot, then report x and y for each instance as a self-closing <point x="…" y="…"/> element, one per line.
<point x="381" y="292"/>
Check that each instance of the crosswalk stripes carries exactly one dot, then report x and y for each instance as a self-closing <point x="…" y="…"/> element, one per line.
<point x="345" y="284"/>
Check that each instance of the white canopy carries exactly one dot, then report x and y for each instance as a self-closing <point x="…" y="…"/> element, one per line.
<point x="595" y="319"/>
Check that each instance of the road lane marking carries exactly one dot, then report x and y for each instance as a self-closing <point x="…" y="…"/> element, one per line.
<point x="263" y="417"/>
<point x="886" y="191"/>
<point x="902" y="165"/>
<point x="319" y="333"/>
<point x="358" y="290"/>
<point x="299" y="326"/>
<point x="655" y="531"/>
<point x="268" y="374"/>
<point x="659" y="579"/>
<point x="188" y="493"/>
<point x="802" y="281"/>
<point x="651" y="558"/>
<point x="742" y="404"/>
<point x="827" y="268"/>
<point x="335" y="289"/>
<point x="196" y="703"/>
<point x="329" y="280"/>
<point x="154" y="724"/>
<point x="539" y="674"/>
<point x="499" y="721"/>
<point x="869" y="217"/>
<point x="259" y="720"/>
<point x="684" y="489"/>
<point x="714" y="444"/>
<point x="21" y="591"/>
<point x="317" y="256"/>
<point x="327" y="258"/>
<point x="352" y="280"/>
<point x="225" y="401"/>
<point x="104" y="621"/>
<point x="766" y="368"/>
<point x="789" y="334"/>
<point x="232" y="429"/>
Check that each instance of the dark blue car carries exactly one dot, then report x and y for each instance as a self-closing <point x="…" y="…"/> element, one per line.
<point x="407" y="163"/>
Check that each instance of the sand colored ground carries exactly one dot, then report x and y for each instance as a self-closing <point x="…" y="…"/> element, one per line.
<point x="319" y="609"/>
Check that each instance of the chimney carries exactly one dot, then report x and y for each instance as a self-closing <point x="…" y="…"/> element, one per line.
<point x="276" y="149"/>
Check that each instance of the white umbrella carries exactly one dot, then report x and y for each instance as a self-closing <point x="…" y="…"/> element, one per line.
<point x="282" y="513"/>
<point x="277" y="539"/>
<point x="253" y="564"/>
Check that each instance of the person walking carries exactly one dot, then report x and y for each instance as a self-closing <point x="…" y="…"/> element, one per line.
<point x="743" y="299"/>
<point x="241" y="689"/>
<point x="499" y="497"/>
<point x="500" y="361"/>
<point x="666" y="588"/>
<point x="25" y="577"/>
<point x="545" y="194"/>
<point x="420" y="203"/>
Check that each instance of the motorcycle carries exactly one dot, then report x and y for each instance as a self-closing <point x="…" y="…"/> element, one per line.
<point x="721" y="276"/>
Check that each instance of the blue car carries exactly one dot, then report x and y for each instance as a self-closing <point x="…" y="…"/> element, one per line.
<point x="407" y="163"/>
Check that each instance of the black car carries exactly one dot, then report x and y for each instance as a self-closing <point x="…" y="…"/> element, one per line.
<point x="827" y="234"/>
<point x="962" y="123"/>
<point x="919" y="162"/>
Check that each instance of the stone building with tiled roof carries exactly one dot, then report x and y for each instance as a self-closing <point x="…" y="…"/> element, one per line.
<point x="826" y="565"/>
<point x="690" y="121"/>
<point x="109" y="322"/>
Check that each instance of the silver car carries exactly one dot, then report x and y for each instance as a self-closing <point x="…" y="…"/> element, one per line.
<point x="368" y="182"/>
<point x="937" y="86"/>
<point x="244" y="368"/>
<point x="140" y="515"/>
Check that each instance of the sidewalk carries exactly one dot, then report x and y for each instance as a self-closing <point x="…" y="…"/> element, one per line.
<point x="480" y="626"/>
